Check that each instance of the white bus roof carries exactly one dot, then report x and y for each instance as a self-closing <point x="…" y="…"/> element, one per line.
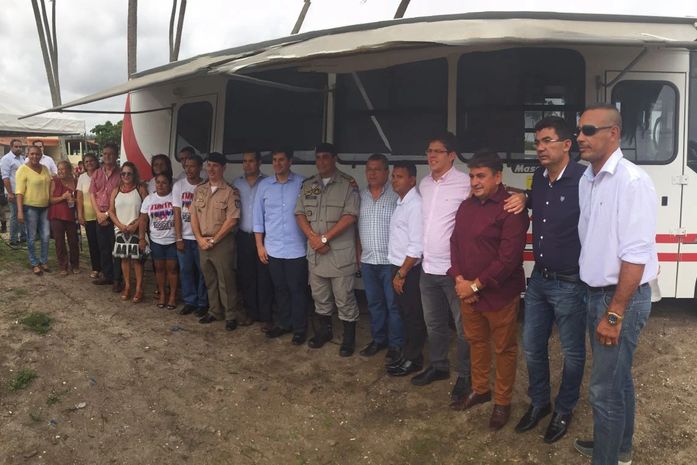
<point x="472" y="30"/>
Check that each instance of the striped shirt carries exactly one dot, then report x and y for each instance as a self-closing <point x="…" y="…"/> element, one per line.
<point x="374" y="225"/>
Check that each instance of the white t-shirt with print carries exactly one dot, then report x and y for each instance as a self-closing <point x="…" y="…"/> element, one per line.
<point x="182" y="196"/>
<point x="161" y="215"/>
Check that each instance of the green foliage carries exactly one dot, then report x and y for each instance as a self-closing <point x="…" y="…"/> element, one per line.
<point x="22" y="379"/>
<point x="107" y="132"/>
<point x="38" y="322"/>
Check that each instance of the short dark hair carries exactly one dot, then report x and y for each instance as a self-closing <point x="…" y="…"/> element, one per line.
<point x="448" y="139"/>
<point x="380" y="157"/>
<point x="90" y="154"/>
<point x="167" y="175"/>
<point x="112" y="146"/>
<point x="486" y="158"/>
<point x="14" y="140"/>
<point x="558" y="124"/>
<point x="188" y="149"/>
<point x="407" y="165"/>
<point x="326" y="147"/>
<point x="616" y="115"/>
<point x="37" y="141"/>
<point x="286" y="150"/>
<point x="196" y="158"/>
<point x="257" y="154"/>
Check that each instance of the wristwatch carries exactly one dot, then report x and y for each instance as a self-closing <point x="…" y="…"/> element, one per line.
<point x="474" y="287"/>
<point x="400" y="275"/>
<point x="324" y="239"/>
<point x="613" y="318"/>
<point x="211" y="241"/>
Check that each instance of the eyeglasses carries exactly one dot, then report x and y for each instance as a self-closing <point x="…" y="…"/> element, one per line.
<point x="590" y="130"/>
<point x="126" y="173"/>
<point x="546" y="141"/>
<point x="435" y="151"/>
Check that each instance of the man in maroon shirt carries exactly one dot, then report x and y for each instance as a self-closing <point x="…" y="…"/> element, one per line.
<point x="486" y="254"/>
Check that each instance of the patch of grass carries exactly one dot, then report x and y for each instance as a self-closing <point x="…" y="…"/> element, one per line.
<point x="38" y="322"/>
<point x="55" y="397"/>
<point x="35" y="417"/>
<point x="22" y="379"/>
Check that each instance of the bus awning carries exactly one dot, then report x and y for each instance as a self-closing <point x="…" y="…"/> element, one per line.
<point x="469" y="31"/>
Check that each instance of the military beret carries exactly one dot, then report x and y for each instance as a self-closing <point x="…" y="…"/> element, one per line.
<point x="217" y="157"/>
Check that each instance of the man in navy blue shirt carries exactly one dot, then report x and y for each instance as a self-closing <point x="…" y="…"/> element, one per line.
<point x="555" y="291"/>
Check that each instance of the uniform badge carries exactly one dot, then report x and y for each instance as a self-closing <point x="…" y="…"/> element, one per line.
<point x="315" y="190"/>
<point x="308" y="213"/>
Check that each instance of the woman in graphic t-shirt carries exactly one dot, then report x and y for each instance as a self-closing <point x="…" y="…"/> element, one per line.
<point x="157" y="217"/>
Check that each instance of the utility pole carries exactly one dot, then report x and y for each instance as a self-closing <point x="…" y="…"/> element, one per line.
<point x="132" y="37"/>
<point x="175" y="37"/>
<point x="301" y="17"/>
<point x="49" y="47"/>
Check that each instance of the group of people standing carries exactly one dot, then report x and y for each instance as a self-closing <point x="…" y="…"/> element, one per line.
<point x="448" y="252"/>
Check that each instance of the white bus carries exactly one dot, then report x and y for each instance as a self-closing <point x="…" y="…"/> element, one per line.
<point x="487" y="77"/>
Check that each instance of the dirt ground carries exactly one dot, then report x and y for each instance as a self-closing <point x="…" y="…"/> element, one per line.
<point x="120" y="383"/>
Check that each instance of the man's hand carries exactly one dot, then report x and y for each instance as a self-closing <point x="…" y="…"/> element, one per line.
<point x="203" y="243"/>
<point x="607" y="334"/>
<point x="263" y="256"/>
<point x="515" y="203"/>
<point x="398" y="284"/>
<point x="323" y="250"/>
<point x="316" y="241"/>
<point x="463" y="288"/>
<point x="474" y="298"/>
<point x="102" y="218"/>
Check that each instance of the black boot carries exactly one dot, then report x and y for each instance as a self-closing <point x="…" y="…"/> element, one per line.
<point x="348" y="344"/>
<point x="323" y="332"/>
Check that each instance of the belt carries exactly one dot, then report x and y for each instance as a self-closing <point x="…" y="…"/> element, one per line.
<point x="570" y="276"/>
<point x="612" y="288"/>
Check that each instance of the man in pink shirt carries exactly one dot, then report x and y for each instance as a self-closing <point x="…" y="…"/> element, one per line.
<point x="443" y="190"/>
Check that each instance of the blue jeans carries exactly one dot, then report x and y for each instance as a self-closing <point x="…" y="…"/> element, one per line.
<point x="193" y="286"/>
<point x="611" y="384"/>
<point x="385" y="321"/>
<point x="17" y="231"/>
<point x="548" y="301"/>
<point x="36" y="221"/>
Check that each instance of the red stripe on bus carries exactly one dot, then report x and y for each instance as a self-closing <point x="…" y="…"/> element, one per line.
<point x="689" y="238"/>
<point x="130" y="145"/>
<point x="662" y="257"/>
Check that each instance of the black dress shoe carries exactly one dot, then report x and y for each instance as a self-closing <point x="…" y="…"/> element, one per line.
<point x="207" y="319"/>
<point x="532" y="417"/>
<point x="276" y="331"/>
<point x="230" y="325"/>
<point x="372" y="349"/>
<point x="298" y="339"/>
<point x="393" y="355"/>
<point x="461" y="389"/>
<point x="102" y="282"/>
<point x="186" y="309"/>
<point x="201" y="311"/>
<point x="430" y="375"/>
<point x="406" y="367"/>
<point x="557" y="427"/>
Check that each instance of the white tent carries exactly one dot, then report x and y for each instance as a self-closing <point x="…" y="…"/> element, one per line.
<point x="11" y="125"/>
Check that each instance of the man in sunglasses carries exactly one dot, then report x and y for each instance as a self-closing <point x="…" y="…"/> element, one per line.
<point x="617" y="229"/>
<point x="555" y="292"/>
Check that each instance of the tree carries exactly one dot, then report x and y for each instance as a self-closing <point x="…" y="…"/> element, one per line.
<point x="107" y="132"/>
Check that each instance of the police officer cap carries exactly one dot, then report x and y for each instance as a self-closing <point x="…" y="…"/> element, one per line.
<point x="217" y="157"/>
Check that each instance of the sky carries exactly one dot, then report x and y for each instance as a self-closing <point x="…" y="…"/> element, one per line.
<point x="92" y="35"/>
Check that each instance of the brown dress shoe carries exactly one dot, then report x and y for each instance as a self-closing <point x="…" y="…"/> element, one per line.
<point x="470" y="401"/>
<point x="499" y="417"/>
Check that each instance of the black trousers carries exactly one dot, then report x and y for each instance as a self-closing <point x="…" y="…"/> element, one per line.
<point x="111" y="267"/>
<point x="412" y="314"/>
<point x="289" y="276"/>
<point x="93" y="245"/>
<point x="254" y="279"/>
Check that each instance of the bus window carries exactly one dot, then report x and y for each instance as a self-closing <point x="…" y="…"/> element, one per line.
<point x="692" y="115"/>
<point x="194" y="124"/>
<point x="501" y="95"/>
<point x="649" y="120"/>
<point x="392" y="110"/>
<point x="263" y="117"/>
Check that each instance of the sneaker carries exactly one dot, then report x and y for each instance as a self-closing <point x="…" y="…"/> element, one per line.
<point x="585" y="448"/>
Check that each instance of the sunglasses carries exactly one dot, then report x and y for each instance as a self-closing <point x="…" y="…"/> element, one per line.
<point x="590" y="130"/>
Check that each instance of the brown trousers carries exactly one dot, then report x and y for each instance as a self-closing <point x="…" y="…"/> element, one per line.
<point x="63" y="230"/>
<point x="501" y="328"/>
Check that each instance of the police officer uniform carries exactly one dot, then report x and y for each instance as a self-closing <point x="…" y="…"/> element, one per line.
<point x="213" y="208"/>
<point x="332" y="274"/>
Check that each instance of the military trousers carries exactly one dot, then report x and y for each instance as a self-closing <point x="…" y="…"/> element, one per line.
<point x="218" y="268"/>
<point x="334" y="292"/>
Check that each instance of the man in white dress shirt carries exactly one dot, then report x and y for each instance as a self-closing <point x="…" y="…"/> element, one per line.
<point x="617" y="228"/>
